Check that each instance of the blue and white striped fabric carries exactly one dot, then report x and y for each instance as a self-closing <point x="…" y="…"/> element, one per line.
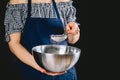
<point x="16" y="14"/>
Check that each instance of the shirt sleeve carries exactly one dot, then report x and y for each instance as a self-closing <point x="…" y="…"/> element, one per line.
<point x="12" y="20"/>
<point x="71" y="15"/>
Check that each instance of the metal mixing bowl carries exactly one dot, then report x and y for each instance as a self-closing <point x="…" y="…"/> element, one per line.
<point x="56" y="58"/>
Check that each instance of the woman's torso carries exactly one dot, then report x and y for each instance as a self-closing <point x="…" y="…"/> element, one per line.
<point x="16" y="14"/>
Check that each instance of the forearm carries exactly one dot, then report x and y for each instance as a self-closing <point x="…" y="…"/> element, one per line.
<point x="22" y="54"/>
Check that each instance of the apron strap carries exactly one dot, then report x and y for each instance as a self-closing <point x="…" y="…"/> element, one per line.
<point x="54" y="5"/>
<point x="29" y="9"/>
<point x="56" y="9"/>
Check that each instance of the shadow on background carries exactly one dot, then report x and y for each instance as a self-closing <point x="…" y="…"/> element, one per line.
<point x="6" y="62"/>
<point x="82" y="18"/>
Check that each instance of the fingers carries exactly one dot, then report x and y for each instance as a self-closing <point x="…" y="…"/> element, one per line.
<point x="50" y="73"/>
<point x="72" y="29"/>
<point x="53" y="73"/>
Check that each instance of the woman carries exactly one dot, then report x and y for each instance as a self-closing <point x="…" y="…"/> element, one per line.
<point x="17" y="17"/>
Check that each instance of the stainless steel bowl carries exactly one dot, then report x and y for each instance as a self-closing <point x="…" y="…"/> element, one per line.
<point x="56" y="58"/>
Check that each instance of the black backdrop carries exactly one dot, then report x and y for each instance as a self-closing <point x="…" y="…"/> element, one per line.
<point x="6" y="67"/>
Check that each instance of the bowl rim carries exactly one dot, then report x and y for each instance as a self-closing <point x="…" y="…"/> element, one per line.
<point x="54" y="45"/>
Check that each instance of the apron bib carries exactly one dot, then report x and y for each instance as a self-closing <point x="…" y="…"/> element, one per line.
<point x="36" y="32"/>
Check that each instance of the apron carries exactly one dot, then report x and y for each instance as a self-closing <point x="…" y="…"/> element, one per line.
<point x="37" y="31"/>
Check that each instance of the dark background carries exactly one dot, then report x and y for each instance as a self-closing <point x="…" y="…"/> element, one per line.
<point x="6" y="67"/>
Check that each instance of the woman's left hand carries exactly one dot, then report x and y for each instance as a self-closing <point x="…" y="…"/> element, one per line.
<point x="73" y="32"/>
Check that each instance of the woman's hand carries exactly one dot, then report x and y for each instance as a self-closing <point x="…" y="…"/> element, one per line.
<point x="50" y="73"/>
<point x="73" y="32"/>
